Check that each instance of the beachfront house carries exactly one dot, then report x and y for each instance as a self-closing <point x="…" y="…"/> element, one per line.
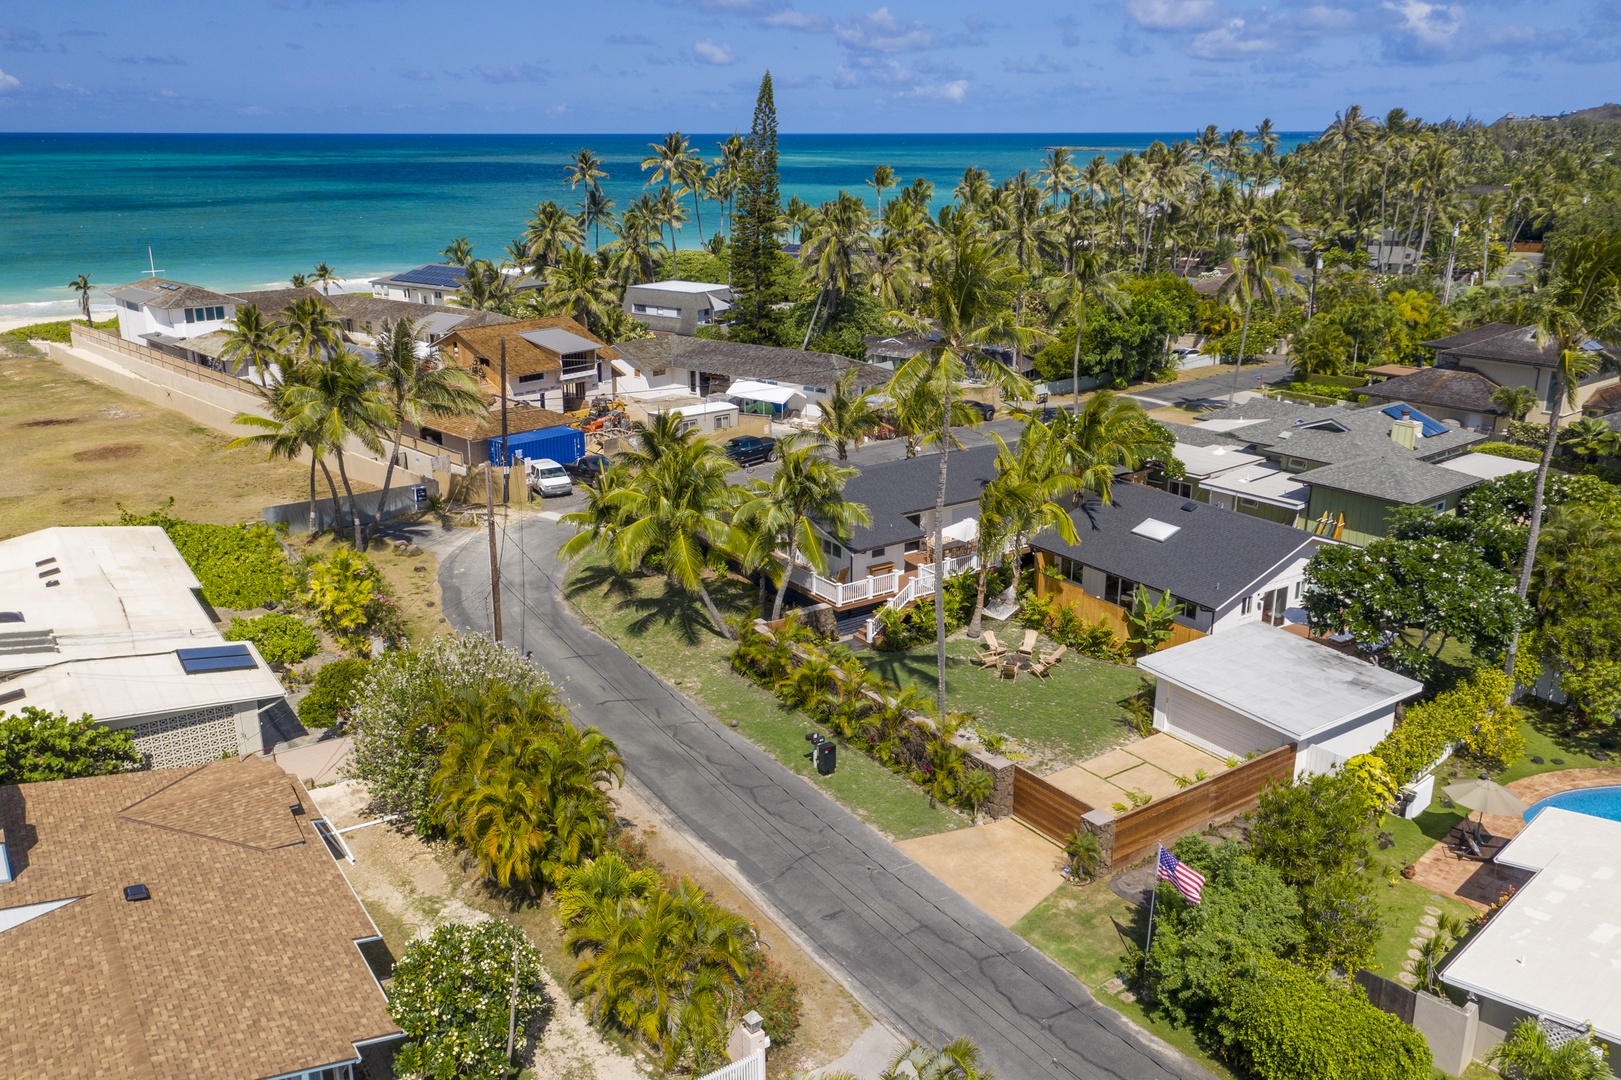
<point x="1258" y="687"/>
<point x="185" y="321"/>
<point x="109" y="621"/>
<point x="1222" y="569"/>
<point x="678" y="307"/>
<point x="436" y="284"/>
<point x="183" y="922"/>
<point x="363" y="317"/>
<point x="758" y="378"/>
<point x="1508" y="355"/>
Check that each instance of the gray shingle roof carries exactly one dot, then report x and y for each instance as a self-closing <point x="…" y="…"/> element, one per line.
<point x="1390" y="479"/>
<point x="1496" y="341"/>
<point x="742" y="361"/>
<point x="1214" y="556"/>
<point x="890" y="490"/>
<point x="161" y="293"/>
<point x="1448" y="388"/>
<point x="1305" y="431"/>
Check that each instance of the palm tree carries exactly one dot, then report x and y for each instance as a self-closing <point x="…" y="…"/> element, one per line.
<point x="596" y="209"/>
<point x="957" y="1060"/>
<point x="255" y="342"/>
<point x="416" y="385"/>
<point x="1516" y="401"/>
<point x="633" y="256"/>
<point x="847" y="417"/>
<point x="484" y="287"/>
<point x="324" y="274"/>
<point x="784" y="512"/>
<point x="1263" y="269"/>
<point x="966" y="305"/>
<point x="459" y="251"/>
<point x="836" y="254"/>
<point x="578" y="287"/>
<point x="288" y="431"/>
<point x="1111" y="432"/>
<point x="1019" y="503"/>
<point x="1528" y="1055"/>
<point x="694" y="175"/>
<point x="1090" y="279"/>
<point x="669" y="212"/>
<point x="341" y="398"/>
<point x="585" y="167"/>
<point x="298" y="281"/>
<point x="667" y="162"/>
<point x="550" y="232"/>
<point x="81" y="285"/>
<point x="883" y="178"/>
<point x="312" y="329"/>
<point x="1583" y="304"/>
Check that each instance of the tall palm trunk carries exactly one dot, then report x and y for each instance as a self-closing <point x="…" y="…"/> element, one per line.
<point x="810" y="326"/>
<point x="940" y="555"/>
<point x="782" y="589"/>
<point x="388" y="478"/>
<point x="314" y="457"/>
<point x="331" y="486"/>
<point x="1538" y="495"/>
<point x="1075" y="364"/>
<point x="714" y="613"/>
<point x="354" y="507"/>
<point x="1243" y="341"/>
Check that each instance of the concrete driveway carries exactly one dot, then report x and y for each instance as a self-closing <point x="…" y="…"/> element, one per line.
<point x="1003" y="868"/>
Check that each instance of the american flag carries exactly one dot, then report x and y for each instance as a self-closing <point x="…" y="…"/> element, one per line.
<point x="1187" y="881"/>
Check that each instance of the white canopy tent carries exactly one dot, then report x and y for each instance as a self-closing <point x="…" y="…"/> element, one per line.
<point x="782" y="397"/>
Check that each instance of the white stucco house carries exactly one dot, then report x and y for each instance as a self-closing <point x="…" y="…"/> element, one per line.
<point x="109" y="621"/>
<point x="170" y="315"/>
<point x="1256" y="688"/>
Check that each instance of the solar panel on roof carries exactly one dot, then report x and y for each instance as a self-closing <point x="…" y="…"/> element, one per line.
<point x="1431" y="428"/>
<point x="215" y="658"/>
<point x="434" y="275"/>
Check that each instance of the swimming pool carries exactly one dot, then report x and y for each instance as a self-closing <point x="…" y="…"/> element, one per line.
<point x="1602" y="802"/>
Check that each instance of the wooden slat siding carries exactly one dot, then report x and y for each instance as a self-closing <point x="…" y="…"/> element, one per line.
<point x="1197" y="806"/>
<point x="1045" y="808"/>
<point x="1092" y="609"/>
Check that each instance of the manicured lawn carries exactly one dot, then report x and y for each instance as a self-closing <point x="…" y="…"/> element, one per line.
<point x="1402" y="906"/>
<point x="1548" y="735"/>
<point x="672" y="636"/>
<point x="1085" y="931"/>
<point x="1072" y="715"/>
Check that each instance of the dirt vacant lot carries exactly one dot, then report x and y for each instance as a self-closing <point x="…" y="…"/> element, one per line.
<point x="73" y="449"/>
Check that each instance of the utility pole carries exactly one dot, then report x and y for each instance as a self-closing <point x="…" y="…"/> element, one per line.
<point x="1446" y="291"/>
<point x="495" y="562"/>
<point x="506" y="464"/>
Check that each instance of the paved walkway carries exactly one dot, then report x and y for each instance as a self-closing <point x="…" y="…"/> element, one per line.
<point x="915" y="952"/>
<point x="1154" y="766"/>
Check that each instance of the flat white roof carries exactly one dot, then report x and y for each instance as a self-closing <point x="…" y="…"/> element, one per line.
<point x="1555" y="948"/>
<point x="1487" y="466"/>
<point x="703" y="408"/>
<point x="125" y="687"/>
<point x="1293" y="685"/>
<point x="751" y="390"/>
<point x="1230" y="424"/>
<point x="684" y="286"/>
<point x="1263" y="483"/>
<point x="1202" y="461"/>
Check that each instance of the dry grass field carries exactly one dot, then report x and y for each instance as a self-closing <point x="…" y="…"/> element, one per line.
<point x="72" y="449"/>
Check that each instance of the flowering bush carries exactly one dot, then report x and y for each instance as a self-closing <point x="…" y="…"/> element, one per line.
<point x="452" y="995"/>
<point x="771" y="992"/>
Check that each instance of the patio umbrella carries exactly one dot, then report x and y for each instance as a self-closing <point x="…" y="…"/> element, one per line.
<point x="1487" y="796"/>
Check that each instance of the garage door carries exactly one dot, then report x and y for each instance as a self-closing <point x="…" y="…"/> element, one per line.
<point x="1215" y="727"/>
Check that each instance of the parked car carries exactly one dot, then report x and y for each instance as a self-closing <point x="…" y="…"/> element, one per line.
<point x="986" y="412"/>
<point x="588" y="468"/>
<point x="751" y="449"/>
<point x="547" y="477"/>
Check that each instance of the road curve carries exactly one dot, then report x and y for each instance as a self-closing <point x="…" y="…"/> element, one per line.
<point x="928" y="961"/>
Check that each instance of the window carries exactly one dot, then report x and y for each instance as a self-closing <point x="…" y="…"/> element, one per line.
<point x="1437" y="507"/>
<point x="1179" y="487"/>
<point x="1118" y="590"/>
<point x="1295" y="464"/>
<point x="1247" y="605"/>
<point x="1248" y="504"/>
<point x="913" y="545"/>
<point x="204" y="314"/>
<point x="877" y="553"/>
<point x="654" y="309"/>
<point x="131" y="306"/>
<point x="832" y="550"/>
<point x="531" y="378"/>
<point x="723" y="422"/>
<point x="1185" y="609"/>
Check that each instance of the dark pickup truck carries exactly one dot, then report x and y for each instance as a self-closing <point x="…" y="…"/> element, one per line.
<point x="751" y="450"/>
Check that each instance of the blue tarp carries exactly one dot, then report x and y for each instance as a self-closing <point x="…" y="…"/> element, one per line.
<point x="564" y="445"/>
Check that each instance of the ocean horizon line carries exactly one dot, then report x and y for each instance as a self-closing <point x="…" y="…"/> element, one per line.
<point x="1304" y="132"/>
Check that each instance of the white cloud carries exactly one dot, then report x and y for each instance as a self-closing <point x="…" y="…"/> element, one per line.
<point x="8" y="83"/>
<point x="880" y="31"/>
<point x="1430" y="27"/>
<point x="1172" y="14"/>
<point x="955" y="90"/>
<point x="1232" y="40"/>
<point x="789" y="19"/>
<point x="708" y="52"/>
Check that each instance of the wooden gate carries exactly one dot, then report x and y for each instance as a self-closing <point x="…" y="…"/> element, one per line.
<point x="1045" y="808"/>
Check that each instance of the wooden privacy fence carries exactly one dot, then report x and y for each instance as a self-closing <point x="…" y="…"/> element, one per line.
<point x="1196" y="807"/>
<point x="1092" y="609"/>
<point x="1045" y="808"/>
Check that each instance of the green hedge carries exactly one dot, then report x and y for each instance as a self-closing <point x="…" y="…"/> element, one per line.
<point x="333" y="695"/>
<point x="1342" y="382"/>
<point x="282" y="639"/>
<point x="59" y="331"/>
<point x="239" y="566"/>
<point x="1290" y="1025"/>
<point x="1508" y="450"/>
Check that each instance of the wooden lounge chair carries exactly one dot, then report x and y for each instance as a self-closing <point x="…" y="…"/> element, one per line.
<point x="1009" y="669"/>
<point x="1029" y="645"/>
<point x="1048" y="662"/>
<point x="993" y="651"/>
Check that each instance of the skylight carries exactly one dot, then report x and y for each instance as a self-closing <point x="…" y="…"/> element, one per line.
<point x="1156" y="530"/>
<point x="215" y="658"/>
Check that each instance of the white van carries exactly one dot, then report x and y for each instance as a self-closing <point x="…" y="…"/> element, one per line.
<point x="547" y="477"/>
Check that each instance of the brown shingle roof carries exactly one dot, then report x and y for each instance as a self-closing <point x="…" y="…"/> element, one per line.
<point x="742" y="361"/>
<point x="520" y="417"/>
<point x="243" y="963"/>
<point x="470" y="343"/>
<point x="1450" y="388"/>
<point x="1497" y="341"/>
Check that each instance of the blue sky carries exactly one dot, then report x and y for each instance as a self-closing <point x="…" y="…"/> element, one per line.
<point x="655" y="65"/>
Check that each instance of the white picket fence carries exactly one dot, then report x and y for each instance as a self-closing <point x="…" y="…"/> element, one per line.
<point x="750" y="1068"/>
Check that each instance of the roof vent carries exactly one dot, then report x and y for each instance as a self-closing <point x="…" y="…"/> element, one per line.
<point x="45" y="562"/>
<point x="1190" y="506"/>
<point x="11" y="616"/>
<point x="1156" y="530"/>
<point x="8" y="696"/>
<point x="168" y="285"/>
<point x="132" y="893"/>
<point x="53" y="582"/>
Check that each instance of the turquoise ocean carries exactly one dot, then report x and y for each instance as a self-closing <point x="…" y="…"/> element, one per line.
<point x="240" y="211"/>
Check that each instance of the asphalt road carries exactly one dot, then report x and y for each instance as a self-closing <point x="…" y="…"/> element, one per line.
<point x="929" y="962"/>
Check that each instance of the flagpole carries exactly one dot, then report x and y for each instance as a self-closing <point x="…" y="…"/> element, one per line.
<point x="1153" y="899"/>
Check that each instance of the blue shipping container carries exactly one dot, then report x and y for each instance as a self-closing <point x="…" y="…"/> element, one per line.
<point x="564" y="445"/>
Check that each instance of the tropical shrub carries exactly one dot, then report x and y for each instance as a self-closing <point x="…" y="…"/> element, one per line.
<point x="1476" y="713"/>
<point x="772" y="992"/>
<point x="397" y="716"/>
<point x="1288" y="1024"/>
<point x="349" y="598"/>
<point x="452" y="995"/>
<point x="332" y="697"/>
<point x="1150" y="623"/>
<point x="1065" y="624"/>
<point x="1083" y="855"/>
<point x="37" y="745"/>
<point x="1508" y="450"/>
<point x="238" y="566"/>
<point x="281" y="639"/>
<point x="1528" y="1055"/>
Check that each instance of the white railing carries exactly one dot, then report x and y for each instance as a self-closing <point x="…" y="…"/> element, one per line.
<point x="750" y="1068"/>
<point x="842" y="593"/>
<point x="920" y="586"/>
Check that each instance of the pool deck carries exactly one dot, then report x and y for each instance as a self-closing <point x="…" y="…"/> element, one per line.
<point x="1481" y="884"/>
